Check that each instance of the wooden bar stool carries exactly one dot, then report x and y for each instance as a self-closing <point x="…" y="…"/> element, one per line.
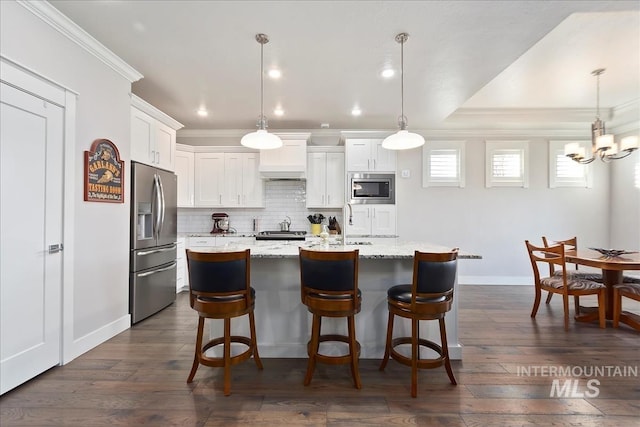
<point x="329" y="288"/>
<point x="429" y="297"/>
<point x="219" y="288"/>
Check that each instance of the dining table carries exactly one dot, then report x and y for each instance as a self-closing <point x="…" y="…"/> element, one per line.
<point x="612" y="273"/>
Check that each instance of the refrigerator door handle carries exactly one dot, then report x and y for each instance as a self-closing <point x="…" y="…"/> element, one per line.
<point x="156" y="208"/>
<point x="160" y="270"/>
<point x="155" y="251"/>
<point x="162" y="205"/>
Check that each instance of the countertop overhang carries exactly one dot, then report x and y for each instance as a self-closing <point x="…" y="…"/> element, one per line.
<point x="389" y="249"/>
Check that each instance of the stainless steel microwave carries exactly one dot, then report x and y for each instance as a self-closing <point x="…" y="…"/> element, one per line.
<point x="372" y="188"/>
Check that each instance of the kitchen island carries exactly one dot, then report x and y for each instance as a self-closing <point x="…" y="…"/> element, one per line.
<point x="283" y="324"/>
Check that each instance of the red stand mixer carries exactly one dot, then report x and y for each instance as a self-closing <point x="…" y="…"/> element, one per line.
<point x="220" y="223"/>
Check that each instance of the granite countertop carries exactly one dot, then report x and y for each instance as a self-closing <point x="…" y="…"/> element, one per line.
<point x="387" y="248"/>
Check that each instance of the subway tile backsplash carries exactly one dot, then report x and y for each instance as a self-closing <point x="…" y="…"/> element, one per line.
<point x="282" y="199"/>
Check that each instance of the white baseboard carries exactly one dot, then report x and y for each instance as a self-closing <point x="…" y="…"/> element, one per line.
<point x="93" y="339"/>
<point x="495" y="280"/>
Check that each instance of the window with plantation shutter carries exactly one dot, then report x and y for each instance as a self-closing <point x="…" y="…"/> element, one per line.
<point x="564" y="172"/>
<point x="443" y="164"/>
<point x="507" y="164"/>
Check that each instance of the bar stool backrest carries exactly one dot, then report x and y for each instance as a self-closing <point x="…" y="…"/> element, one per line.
<point x="329" y="271"/>
<point x="435" y="273"/>
<point x="219" y="277"/>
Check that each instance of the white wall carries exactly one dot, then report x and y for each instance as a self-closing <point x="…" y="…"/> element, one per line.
<point x="495" y="222"/>
<point x="625" y="202"/>
<point x="96" y="296"/>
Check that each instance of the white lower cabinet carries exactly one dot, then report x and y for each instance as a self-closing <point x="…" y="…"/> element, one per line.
<point x="201" y="241"/>
<point x="182" y="275"/>
<point x="372" y="220"/>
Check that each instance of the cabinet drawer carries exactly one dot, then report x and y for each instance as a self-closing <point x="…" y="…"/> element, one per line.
<point x="198" y="242"/>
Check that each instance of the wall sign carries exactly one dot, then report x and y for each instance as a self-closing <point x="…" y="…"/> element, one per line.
<point x="103" y="173"/>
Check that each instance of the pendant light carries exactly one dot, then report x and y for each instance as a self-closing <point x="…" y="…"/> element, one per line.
<point x="403" y="139"/>
<point x="603" y="145"/>
<point x="261" y="139"/>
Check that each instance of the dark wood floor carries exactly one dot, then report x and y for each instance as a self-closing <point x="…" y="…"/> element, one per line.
<point x="139" y="377"/>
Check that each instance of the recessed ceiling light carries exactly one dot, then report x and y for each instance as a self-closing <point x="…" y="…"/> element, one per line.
<point x="274" y="73"/>
<point x="202" y="112"/>
<point x="278" y="111"/>
<point x="388" y="73"/>
<point x="356" y="111"/>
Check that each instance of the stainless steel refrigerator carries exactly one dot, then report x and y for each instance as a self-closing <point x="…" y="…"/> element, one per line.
<point x="152" y="279"/>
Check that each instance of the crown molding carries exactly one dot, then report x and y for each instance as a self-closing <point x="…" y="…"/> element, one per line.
<point x="144" y="106"/>
<point x="60" y="22"/>
<point x="528" y="115"/>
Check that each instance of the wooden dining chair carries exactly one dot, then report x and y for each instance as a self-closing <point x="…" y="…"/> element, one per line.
<point x="563" y="284"/>
<point x="570" y="244"/>
<point x="628" y="290"/>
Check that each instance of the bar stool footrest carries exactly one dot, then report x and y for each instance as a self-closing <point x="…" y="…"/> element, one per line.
<point x="219" y="361"/>
<point x="422" y="363"/>
<point x="334" y="360"/>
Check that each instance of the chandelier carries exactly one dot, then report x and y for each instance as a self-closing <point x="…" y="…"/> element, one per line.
<point x="403" y="139"/>
<point x="603" y="145"/>
<point x="261" y="139"/>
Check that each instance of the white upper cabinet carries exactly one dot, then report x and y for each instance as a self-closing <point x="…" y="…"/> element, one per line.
<point x="252" y="184"/>
<point x="372" y="220"/>
<point x="185" y="171"/>
<point x="243" y="186"/>
<point x="325" y="180"/>
<point x="367" y="155"/>
<point x="223" y="178"/>
<point x="208" y="179"/>
<point x="153" y="135"/>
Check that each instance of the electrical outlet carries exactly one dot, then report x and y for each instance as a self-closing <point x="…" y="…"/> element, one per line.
<point x="406" y="173"/>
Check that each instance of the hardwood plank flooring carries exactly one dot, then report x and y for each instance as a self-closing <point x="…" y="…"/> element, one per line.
<point x="139" y="378"/>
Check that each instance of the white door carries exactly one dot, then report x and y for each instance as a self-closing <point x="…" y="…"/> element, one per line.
<point x="31" y="170"/>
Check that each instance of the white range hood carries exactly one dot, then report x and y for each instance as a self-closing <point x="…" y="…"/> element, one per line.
<point x="287" y="162"/>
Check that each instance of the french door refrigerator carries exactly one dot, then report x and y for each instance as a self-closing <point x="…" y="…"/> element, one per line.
<point x="152" y="279"/>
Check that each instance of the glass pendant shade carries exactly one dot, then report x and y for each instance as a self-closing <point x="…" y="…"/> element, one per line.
<point x="403" y="140"/>
<point x="261" y="140"/>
